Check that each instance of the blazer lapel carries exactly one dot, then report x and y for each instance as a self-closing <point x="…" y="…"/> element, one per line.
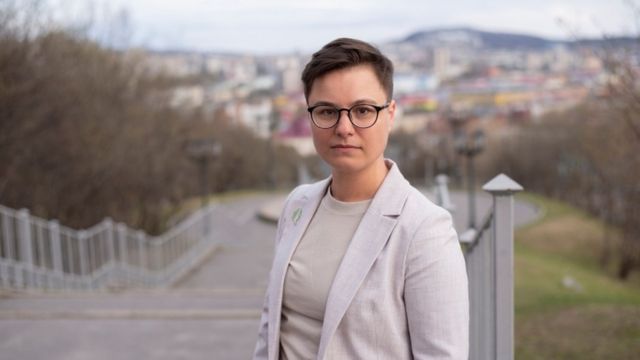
<point x="300" y="211"/>
<point x="368" y="241"/>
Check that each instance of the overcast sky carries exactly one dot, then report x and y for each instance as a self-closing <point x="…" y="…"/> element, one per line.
<point x="272" y="26"/>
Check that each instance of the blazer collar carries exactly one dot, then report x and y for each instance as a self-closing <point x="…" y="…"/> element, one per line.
<point x="392" y="194"/>
<point x="368" y="241"/>
<point x="296" y="217"/>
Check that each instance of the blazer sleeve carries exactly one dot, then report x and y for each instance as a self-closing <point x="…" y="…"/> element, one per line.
<point x="436" y="291"/>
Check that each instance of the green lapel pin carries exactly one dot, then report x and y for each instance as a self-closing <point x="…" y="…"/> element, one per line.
<point x="295" y="217"/>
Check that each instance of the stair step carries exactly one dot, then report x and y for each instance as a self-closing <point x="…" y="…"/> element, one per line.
<point x="137" y="304"/>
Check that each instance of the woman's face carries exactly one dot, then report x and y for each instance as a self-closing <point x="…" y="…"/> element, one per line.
<point x="346" y="148"/>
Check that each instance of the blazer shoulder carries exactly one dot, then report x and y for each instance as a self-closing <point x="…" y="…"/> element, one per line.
<point x="425" y="213"/>
<point x="424" y="206"/>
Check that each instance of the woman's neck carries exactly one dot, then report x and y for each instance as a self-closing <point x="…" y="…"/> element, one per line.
<point x="360" y="185"/>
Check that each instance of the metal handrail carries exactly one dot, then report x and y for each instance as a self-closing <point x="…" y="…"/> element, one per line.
<point x="42" y="254"/>
<point x="471" y="237"/>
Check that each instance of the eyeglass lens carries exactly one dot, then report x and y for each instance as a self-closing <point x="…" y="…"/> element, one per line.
<point x="326" y="116"/>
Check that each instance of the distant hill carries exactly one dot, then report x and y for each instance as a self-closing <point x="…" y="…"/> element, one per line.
<point x="469" y="37"/>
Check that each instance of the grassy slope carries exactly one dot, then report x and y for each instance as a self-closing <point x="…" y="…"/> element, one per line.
<point x="598" y="320"/>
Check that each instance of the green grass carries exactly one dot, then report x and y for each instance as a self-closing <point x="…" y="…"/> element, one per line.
<point x="598" y="320"/>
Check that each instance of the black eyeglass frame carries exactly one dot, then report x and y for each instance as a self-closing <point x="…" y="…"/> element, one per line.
<point x="348" y="110"/>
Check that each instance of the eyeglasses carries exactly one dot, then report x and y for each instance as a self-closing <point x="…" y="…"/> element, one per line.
<point x="361" y="115"/>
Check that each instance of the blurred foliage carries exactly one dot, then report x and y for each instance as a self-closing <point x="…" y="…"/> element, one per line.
<point x="587" y="156"/>
<point x="87" y="132"/>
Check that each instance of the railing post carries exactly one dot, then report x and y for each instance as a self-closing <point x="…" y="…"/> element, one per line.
<point x="502" y="189"/>
<point x="442" y="193"/>
<point x="122" y="241"/>
<point x="82" y="252"/>
<point x="7" y="248"/>
<point x="26" y="249"/>
<point x="111" y="247"/>
<point x="142" y="250"/>
<point x="481" y="296"/>
<point x="56" y="247"/>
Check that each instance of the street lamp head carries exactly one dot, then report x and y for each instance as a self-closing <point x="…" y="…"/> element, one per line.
<point x="479" y="140"/>
<point x="204" y="148"/>
<point x="460" y="142"/>
<point x="469" y="145"/>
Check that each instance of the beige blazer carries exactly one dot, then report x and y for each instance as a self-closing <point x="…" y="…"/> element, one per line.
<point x="401" y="289"/>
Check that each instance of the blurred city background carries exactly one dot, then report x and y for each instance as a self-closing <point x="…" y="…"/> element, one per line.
<point x="139" y="118"/>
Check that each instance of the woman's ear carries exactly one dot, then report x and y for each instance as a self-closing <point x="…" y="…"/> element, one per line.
<point x="392" y="114"/>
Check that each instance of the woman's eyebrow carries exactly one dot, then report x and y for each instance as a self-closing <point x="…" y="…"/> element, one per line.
<point x="324" y="103"/>
<point x="357" y="102"/>
<point x="364" y="101"/>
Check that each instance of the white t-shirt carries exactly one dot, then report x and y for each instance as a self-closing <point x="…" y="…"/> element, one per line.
<point x="310" y="274"/>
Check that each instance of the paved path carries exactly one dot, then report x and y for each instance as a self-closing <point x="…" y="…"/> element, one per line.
<point x="211" y="314"/>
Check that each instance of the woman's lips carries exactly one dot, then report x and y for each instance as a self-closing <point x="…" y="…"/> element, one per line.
<point x="344" y="147"/>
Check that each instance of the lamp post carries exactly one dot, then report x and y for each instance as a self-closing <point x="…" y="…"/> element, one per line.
<point x="202" y="151"/>
<point x="469" y="147"/>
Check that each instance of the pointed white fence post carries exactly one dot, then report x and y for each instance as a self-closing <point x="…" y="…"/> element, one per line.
<point x="502" y="189"/>
<point x="26" y="248"/>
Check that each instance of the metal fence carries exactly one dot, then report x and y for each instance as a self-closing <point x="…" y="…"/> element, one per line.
<point x="489" y="257"/>
<point x="41" y="254"/>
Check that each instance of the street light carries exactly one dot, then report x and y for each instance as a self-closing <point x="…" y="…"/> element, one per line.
<point x="202" y="151"/>
<point x="469" y="147"/>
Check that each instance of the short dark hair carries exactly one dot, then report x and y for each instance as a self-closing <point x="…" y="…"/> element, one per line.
<point x="344" y="53"/>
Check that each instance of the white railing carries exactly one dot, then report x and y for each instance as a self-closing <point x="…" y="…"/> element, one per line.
<point x="40" y="254"/>
<point x="441" y="191"/>
<point x="489" y="257"/>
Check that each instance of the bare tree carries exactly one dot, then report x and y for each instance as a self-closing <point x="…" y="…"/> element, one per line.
<point x="86" y="132"/>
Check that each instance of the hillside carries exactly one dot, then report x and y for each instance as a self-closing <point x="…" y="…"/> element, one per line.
<point x="478" y="39"/>
<point x="567" y="306"/>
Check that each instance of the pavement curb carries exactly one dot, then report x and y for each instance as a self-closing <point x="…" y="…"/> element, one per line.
<point x="235" y="314"/>
<point x="270" y="212"/>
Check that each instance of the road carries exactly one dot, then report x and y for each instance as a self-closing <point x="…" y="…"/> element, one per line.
<point x="212" y="313"/>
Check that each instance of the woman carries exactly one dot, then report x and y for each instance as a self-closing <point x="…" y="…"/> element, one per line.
<point x="365" y="266"/>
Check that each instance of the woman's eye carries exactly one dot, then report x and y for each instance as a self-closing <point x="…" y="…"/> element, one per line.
<point x="327" y="112"/>
<point x="363" y="110"/>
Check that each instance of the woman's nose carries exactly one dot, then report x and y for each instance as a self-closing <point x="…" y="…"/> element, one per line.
<point x="344" y="125"/>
